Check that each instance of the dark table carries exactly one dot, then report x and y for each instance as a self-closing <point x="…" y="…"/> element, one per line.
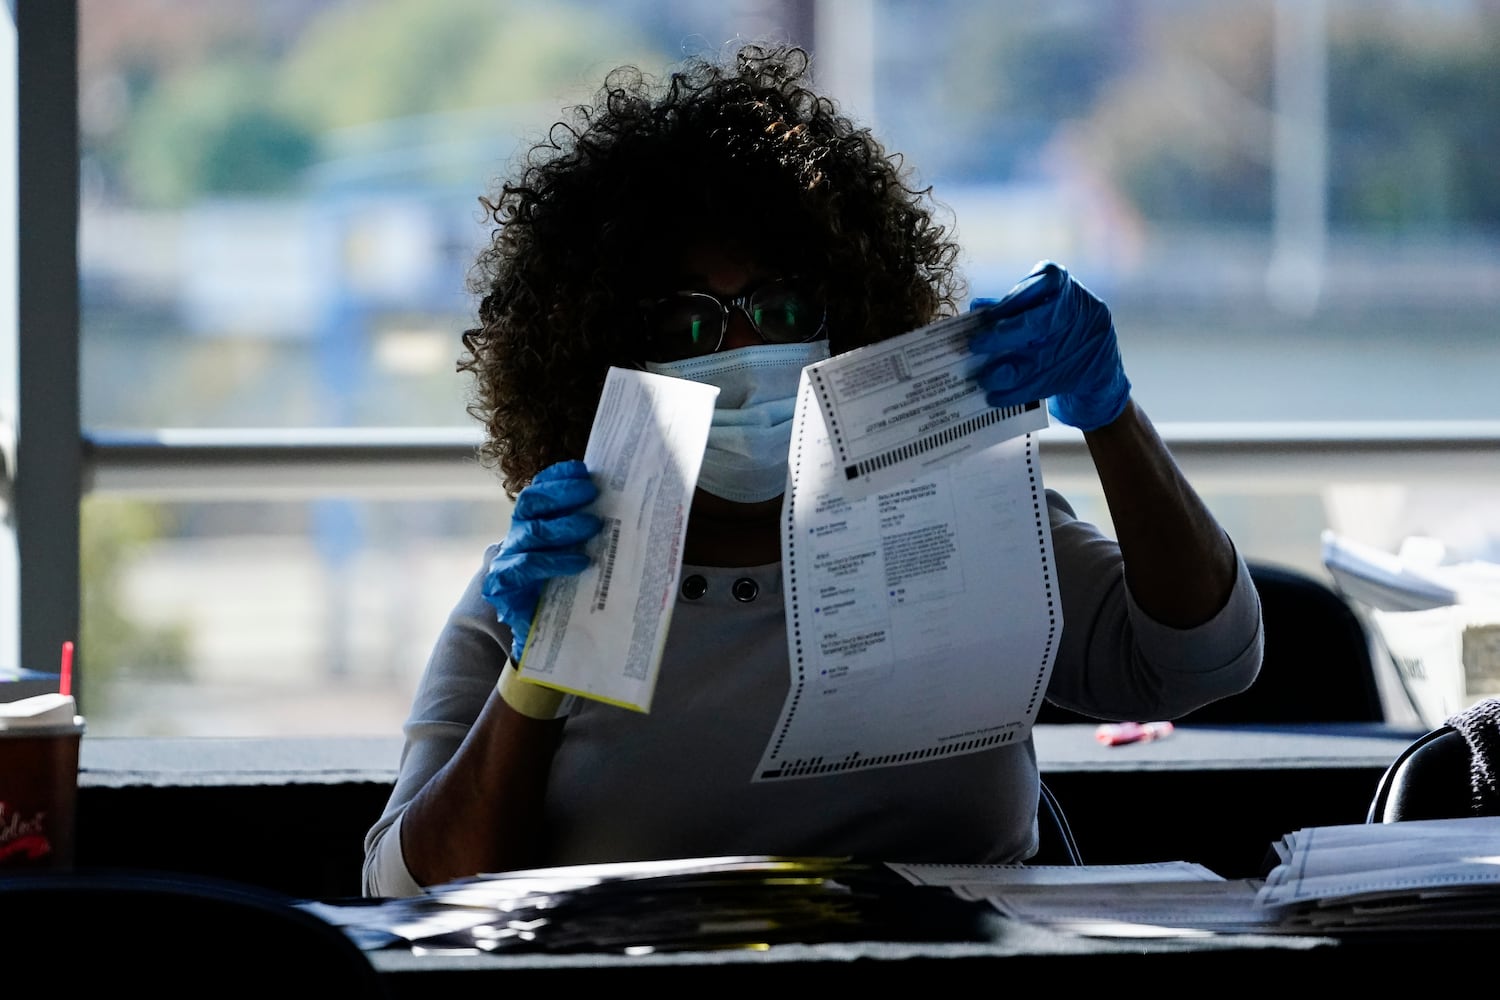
<point x="1014" y="955"/>
<point x="1216" y="795"/>
<point x="291" y="813"/>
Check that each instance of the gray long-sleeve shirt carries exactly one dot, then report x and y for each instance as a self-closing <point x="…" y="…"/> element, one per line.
<point x="677" y="782"/>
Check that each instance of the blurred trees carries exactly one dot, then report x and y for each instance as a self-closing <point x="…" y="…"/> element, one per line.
<point x="1008" y="75"/>
<point x="113" y="641"/>
<point x="1413" y="118"/>
<point x="381" y="59"/>
<point x="230" y="97"/>
<point x="1415" y="121"/>
<point x="1169" y="101"/>
<point x="213" y="129"/>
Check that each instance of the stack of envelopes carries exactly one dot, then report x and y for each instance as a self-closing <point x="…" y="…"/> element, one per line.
<point x="690" y="904"/>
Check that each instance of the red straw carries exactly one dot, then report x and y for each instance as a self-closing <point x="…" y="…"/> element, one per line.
<point x="66" y="686"/>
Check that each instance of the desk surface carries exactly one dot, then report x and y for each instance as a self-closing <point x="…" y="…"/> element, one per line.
<point x="113" y="762"/>
<point x="1210" y="794"/>
<point x="1065" y="748"/>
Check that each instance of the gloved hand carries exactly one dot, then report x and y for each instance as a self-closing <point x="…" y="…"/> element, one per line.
<point x="547" y="532"/>
<point x="1052" y="339"/>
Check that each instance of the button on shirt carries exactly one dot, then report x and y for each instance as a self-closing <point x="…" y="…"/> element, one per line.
<point x="744" y="589"/>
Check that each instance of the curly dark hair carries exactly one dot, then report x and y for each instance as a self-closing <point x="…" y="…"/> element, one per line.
<point x="742" y="151"/>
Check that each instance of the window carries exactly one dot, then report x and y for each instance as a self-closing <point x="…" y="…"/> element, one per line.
<point x="1286" y="204"/>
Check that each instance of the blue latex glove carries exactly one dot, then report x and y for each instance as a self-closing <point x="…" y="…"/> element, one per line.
<point x="1052" y="339"/>
<point x="547" y="532"/>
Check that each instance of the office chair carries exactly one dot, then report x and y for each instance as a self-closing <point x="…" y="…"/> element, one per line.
<point x="1055" y="842"/>
<point x="176" y="935"/>
<point x="1316" y="665"/>
<point x="1447" y="772"/>
<point x="1427" y="780"/>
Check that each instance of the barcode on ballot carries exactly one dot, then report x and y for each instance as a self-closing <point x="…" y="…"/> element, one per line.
<point x="943" y="437"/>
<point x="611" y="546"/>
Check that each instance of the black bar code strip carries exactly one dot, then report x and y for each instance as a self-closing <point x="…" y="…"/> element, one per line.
<point x="805" y="767"/>
<point x="611" y="546"/>
<point x="936" y="440"/>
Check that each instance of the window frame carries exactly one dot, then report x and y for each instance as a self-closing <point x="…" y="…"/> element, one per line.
<point x="47" y="478"/>
<point x="56" y="462"/>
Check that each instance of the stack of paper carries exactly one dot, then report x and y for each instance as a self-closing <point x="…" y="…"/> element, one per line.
<point x="1439" y="620"/>
<point x="1383" y="580"/>
<point x="656" y="906"/>
<point x="1412" y="875"/>
<point x="1415" y="875"/>
<point x="1148" y="900"/>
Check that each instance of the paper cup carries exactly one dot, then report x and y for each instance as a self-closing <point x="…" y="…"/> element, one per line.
<point x="39" y="741"/>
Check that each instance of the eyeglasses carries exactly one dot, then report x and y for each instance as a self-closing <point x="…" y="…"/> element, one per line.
<point x="692" y="324"/>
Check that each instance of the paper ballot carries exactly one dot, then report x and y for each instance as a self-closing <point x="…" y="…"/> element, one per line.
<point x="922" y="620"/>
<point x="600" y="634"/>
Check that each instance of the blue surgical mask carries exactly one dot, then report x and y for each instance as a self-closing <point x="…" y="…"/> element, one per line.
<point x="751" y="432"/>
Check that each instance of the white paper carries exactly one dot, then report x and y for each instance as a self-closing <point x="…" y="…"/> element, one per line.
<point x="1412" y="873"/>
<point x="922" y="621"/>
<point x="1440" y="622"/>
<point x="900" y="407"/>
<point x="600" y="634"/>
<point x="975" y="881"/>
<point x="1154" y="899"/>
<point x="1381" y="580"/>
<point x="1149" y="909"/>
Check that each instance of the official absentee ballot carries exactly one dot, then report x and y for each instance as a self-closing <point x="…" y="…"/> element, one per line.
<point x="923" y="619"/>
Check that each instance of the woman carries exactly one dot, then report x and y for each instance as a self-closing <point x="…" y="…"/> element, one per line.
<point x="729" y="225"/>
